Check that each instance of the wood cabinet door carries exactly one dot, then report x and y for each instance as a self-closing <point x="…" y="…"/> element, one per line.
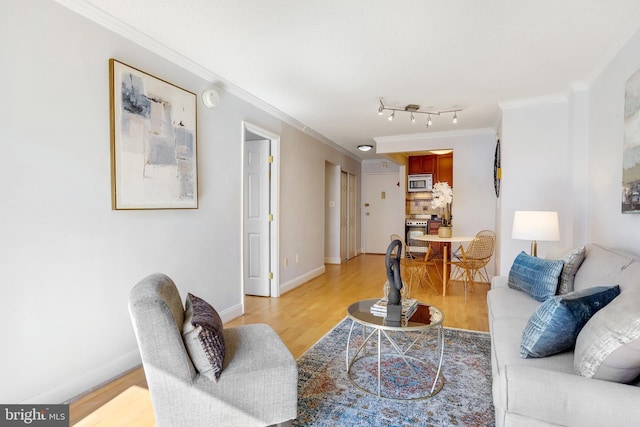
<point x="422" y="164"/>
<point x="445" y="168"/>
<point x="415" y="165"/>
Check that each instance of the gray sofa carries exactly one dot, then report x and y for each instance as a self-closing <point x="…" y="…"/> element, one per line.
<point x="548" y="391"/>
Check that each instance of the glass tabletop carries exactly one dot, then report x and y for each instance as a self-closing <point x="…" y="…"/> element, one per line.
<point x="425" y="316"/>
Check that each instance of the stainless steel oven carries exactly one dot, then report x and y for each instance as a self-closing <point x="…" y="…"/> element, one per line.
<point x="413" y="228"/>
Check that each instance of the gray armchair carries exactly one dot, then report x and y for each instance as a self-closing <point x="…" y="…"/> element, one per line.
<point x="258" y="384"/>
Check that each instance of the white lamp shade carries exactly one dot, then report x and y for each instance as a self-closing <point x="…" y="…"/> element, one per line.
<point x="536" y="225"/>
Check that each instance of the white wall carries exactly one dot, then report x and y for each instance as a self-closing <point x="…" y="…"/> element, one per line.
<point x="564" y="153"/>
<point x="68" y="260"/>
<point x="332" y="206"/>
<point x="474" y="200"/>
<point x="302" y="210"/>
<point x="536" y="174"/>
<point x="607" y="225"/>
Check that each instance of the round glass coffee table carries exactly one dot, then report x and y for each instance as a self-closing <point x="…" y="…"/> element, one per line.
<point x="396" y="374"/>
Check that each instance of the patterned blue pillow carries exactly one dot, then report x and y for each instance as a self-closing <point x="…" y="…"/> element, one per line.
<point x="536" y="276"/>
<point x="556" y="323"/>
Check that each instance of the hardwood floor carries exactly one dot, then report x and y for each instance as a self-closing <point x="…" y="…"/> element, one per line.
<point x="301" y="317"/>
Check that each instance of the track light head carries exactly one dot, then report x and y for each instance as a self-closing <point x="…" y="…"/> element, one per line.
<point x="392" y="116"/>
<point x="455" y="117"/>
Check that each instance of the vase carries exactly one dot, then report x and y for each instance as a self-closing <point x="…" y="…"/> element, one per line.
<point x="444" y="231"/>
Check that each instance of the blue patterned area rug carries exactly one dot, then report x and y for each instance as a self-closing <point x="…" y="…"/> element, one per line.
<point x="326" y="397"/>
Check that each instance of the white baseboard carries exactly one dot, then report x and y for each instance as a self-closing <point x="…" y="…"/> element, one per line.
<point x="332" y="260"/>
<point x="292" y="284"/>
<point x="79" y="386"/>
<point x="231" y="313"/>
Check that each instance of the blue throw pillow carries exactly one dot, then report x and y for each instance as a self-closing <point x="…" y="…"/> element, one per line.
<point x="556" y="323"/>
<point x="536" y="276"/>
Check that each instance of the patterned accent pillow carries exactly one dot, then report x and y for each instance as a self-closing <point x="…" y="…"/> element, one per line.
<point x="203" y="337"/>
<point x="608" y="347"/>
<point x="556" y="323"/>
<point x="537" y="277"/>
<point x="572" y="262"/>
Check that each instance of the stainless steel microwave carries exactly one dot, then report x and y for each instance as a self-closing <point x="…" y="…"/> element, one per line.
<point x="422" y="182"/>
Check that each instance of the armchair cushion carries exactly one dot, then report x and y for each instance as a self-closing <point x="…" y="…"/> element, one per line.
<point x="204" y="337"/>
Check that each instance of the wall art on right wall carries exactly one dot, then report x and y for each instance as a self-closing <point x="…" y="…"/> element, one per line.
<point x="631" y="148"/>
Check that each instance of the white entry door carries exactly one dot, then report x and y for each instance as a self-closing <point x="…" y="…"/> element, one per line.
<point x="256" y="217"/>
<point x="384" y="207"/>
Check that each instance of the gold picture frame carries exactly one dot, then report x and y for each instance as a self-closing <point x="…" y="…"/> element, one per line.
<point x="154" y="162"/>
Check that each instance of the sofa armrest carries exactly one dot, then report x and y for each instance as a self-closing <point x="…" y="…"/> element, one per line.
<point x="570" y="399"/>
<point x="499" y="282"/>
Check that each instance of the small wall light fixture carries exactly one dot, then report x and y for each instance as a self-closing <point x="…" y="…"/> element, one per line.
<point x="210" y="98"/>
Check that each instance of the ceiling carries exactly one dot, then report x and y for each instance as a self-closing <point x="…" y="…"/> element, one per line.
<point x="326" y="63"/>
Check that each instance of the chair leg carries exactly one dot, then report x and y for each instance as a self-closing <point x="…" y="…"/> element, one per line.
<point x="430" y="279"/>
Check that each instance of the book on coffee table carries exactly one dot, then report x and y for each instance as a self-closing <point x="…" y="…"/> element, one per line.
<point x="409" y="307"/>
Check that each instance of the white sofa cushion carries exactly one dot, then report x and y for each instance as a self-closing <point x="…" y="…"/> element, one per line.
<point x="629" y="278"/>
<point x="608" y="347"/>
<point x="600" y="266"/>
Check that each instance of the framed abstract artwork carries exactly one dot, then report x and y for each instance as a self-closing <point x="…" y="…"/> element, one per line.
<point x="154" y="161"/>
<point x="631" y="150"/>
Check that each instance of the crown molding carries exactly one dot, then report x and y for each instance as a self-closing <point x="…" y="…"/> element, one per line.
<point x="435" y="135"/>
<point x="530" y="102"/>
<point x="109" y="22"/>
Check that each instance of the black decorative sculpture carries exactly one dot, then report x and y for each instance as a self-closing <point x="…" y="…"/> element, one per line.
<point x="394" y="303"/>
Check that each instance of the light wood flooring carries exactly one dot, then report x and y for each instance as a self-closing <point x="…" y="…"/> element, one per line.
<point x="301" y="317"/>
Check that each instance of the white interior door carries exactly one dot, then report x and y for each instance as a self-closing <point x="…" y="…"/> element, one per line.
<point x="384" y="207"/>
<point x="343" y="216"/>
<point x="256" y="217"/>
<point x="351" y="233"/>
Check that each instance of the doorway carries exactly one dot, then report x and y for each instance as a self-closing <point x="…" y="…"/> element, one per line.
<point x="347" y="216"/>
<point x="384" y="207"/>
<point x="260" y="212"/>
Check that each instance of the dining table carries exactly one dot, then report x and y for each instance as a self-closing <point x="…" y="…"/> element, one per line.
<point x="434" y="238"/>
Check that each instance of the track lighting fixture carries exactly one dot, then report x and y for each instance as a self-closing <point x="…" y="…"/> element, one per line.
<point x="415" y="109"/>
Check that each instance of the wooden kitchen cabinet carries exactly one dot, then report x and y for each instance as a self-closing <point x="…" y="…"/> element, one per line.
<point x="444" y="168"/>
<point x="441" y="166"/>
<point x="422" y="164"/>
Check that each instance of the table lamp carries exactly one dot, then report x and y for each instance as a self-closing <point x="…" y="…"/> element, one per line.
<point x="534" y="226"/>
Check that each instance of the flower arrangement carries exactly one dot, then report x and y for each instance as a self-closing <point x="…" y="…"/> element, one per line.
<point x="442" y="196"/>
